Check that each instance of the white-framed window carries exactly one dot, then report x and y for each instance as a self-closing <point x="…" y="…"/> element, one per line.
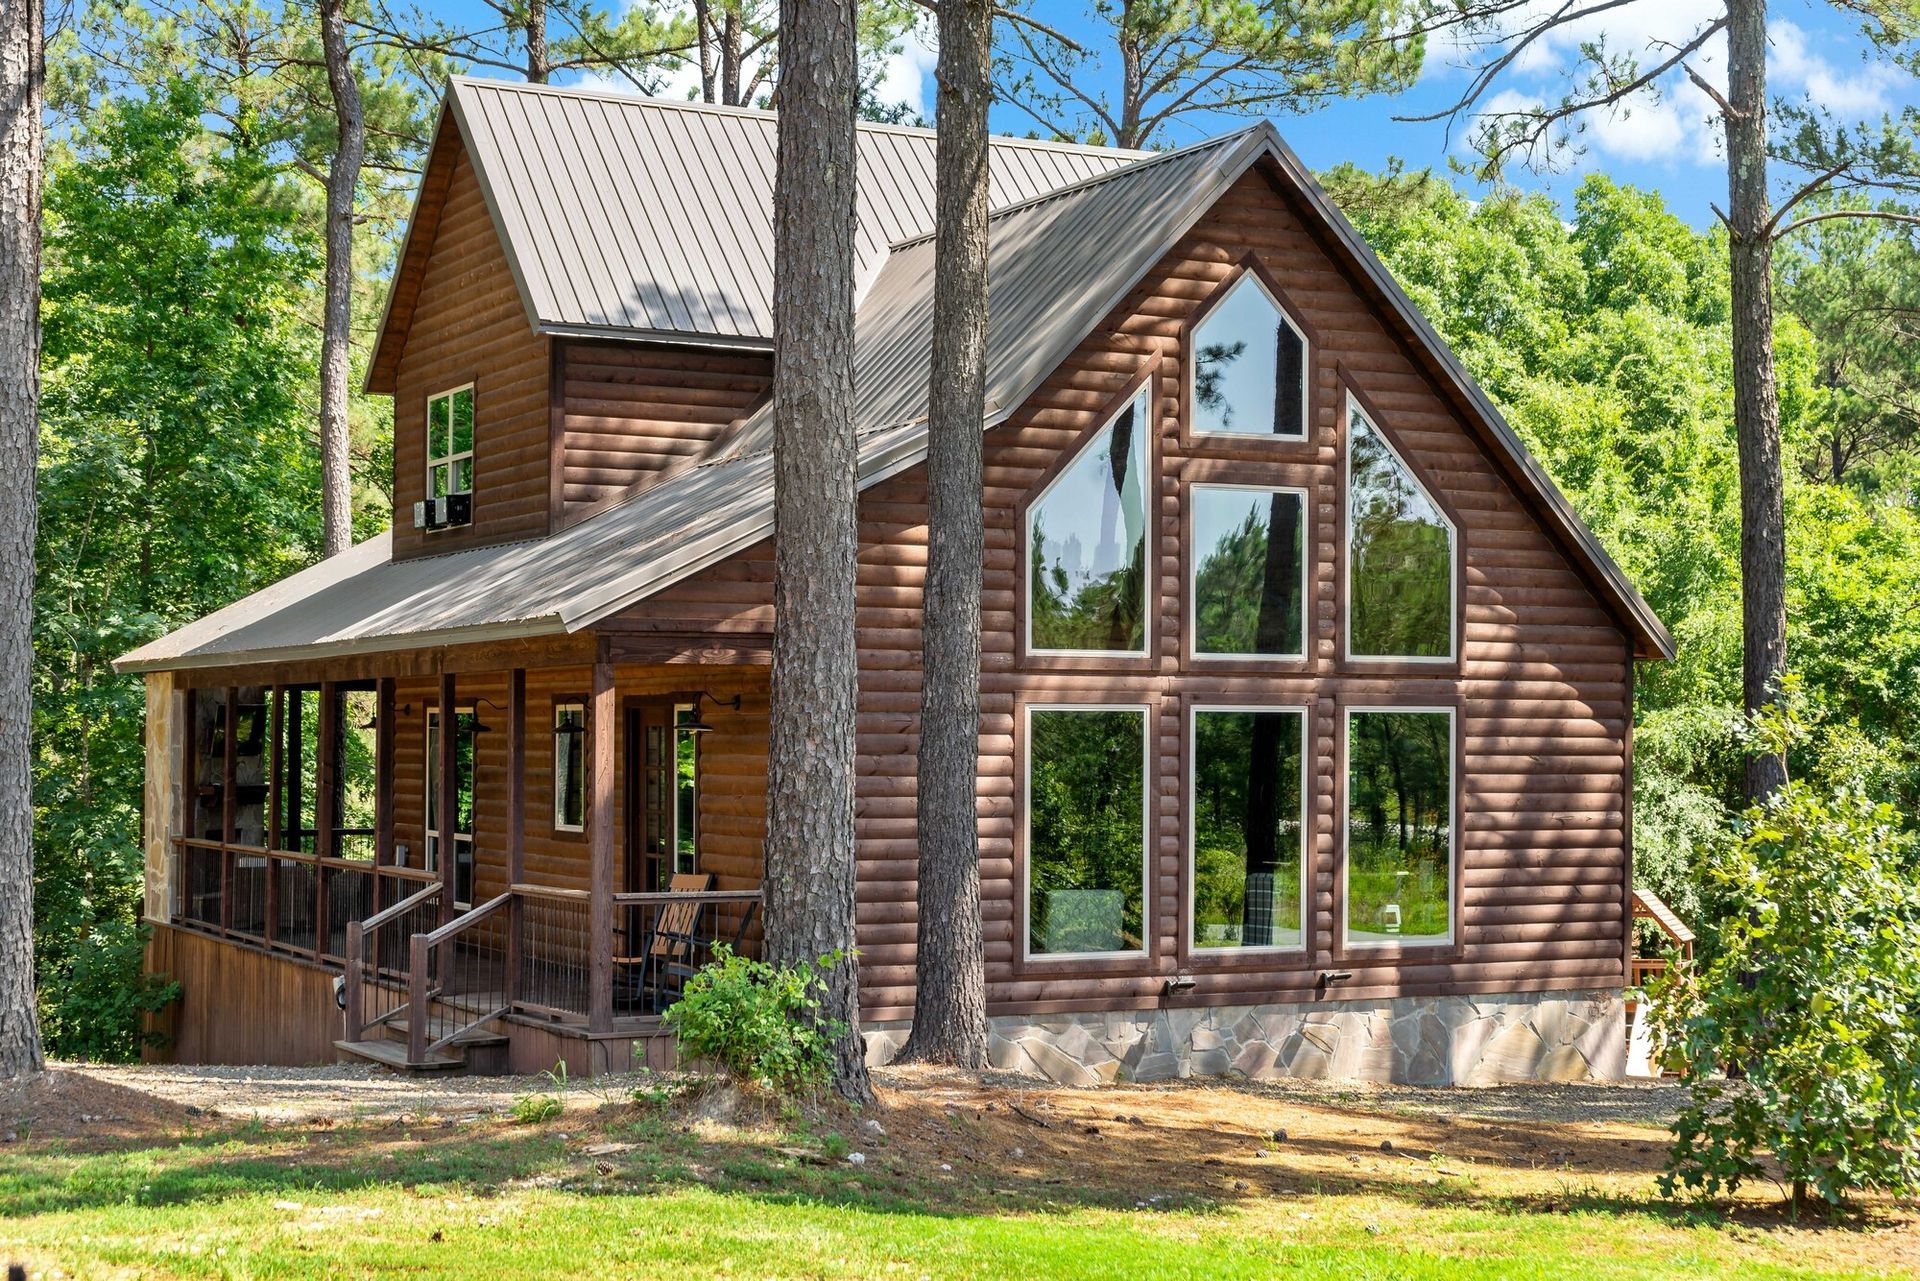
<point x="1087" y="544"/>
<point x="450" y="442"/>
<point x="466" y="728"/>
<point x="1246" y="834"/>
<point x="1248" y="366"/>
<point x="686" y="789"/>
<point x="1402" y="554"/>
<point x="569" y="765"/>
<point x="1247" y="578"/>
<point x="1086" y="810"/>
<point x="1399" y="833"/>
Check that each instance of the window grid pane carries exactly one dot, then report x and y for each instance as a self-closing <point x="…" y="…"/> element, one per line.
<point x="1248" y="816"/>
<point x="1086" y="834"/>
<point x="1399" y="827"/>
<point x="1248" y="571"/>
<point x="1087" y="545"/>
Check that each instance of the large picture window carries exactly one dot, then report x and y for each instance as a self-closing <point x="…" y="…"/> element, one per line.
<point x="1087" y="541"/>
<point x="1400" y="550"/>
<point x="1249" y="571"/>
<point x="1399" y="827"/>
<point x="1086" y="830"/>
<point x="1249" y="367"/>
<point x="450" y="443"/>
<point x="1246" y="802"/>
<point x="570" y="766"/>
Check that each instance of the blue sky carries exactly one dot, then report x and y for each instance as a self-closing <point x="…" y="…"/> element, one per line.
<point x="1662" y="142"/>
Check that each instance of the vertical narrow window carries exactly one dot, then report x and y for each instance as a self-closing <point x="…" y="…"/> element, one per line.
<point x="570" y="766"/>
<point x="1249" y="367"/>
<point x="1399" y="827"/>
<point x="1249" y="571"/>
<point x="466" y="725"/>
<point x="1247" y="808"/>
<point x="1400" y="554"/>
<point x="1087" y="541"/>
<point x="1086" y="830"/>
<point x="686" y="768"/>
<point x="450" y="443"/>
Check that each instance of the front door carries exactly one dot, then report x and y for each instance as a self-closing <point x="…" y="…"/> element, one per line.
<point x="650" y="788"/>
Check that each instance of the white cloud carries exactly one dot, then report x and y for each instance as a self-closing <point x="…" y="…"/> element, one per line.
<point x="906" y="72"/>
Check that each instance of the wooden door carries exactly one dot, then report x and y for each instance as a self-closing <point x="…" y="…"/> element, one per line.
<point x="650" y="796"/>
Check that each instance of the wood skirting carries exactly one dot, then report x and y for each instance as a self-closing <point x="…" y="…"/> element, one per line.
<point x="239" y="1004"/>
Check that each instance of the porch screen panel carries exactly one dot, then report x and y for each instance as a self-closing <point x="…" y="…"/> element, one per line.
<point x="1399" y="827"/>
<point x="1086" y="834"/>
<point x="1247" y="821"/>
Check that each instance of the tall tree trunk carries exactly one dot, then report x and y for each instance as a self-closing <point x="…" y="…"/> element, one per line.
<point x="732" y="36"/>
<point x="343" y="180"/>
<point x="20" y="143"/>
<point x="703" y="31"/>
<point x="809" y="848"/>
<point x="950" y="1005"/>
<point x="1756" y="404"/>
<point x="538" y="68"/>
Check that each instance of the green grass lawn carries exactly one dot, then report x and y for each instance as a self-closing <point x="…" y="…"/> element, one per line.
<point x="641" y="1190"/>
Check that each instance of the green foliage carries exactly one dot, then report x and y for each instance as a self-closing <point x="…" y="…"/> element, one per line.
<point x="1809" y="991"/>
<point x="758" y="1021"/>
<point x="176" y="474"/>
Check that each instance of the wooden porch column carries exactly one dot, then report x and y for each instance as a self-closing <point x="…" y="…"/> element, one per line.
<point x="516" y="822"/>
<point x="448" y="783"/>
<point x="326" y="810"/>
<point x="600" y="835"/>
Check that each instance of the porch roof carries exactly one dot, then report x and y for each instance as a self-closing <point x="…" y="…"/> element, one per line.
<point x="1058" y="265"/>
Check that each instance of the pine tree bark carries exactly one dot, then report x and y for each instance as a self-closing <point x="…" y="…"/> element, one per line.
<point x="336" y="357"/>
<point x="1756" y="404"/>
<point x="21" y="90"/>
<point x="809" y="848"/>
<point x="539" y="69"/>
<point x="950" y="1005"/>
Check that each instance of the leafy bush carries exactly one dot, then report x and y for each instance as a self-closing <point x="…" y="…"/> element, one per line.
<point x="758" y="1021"/>
<point x="1809" y="992"/>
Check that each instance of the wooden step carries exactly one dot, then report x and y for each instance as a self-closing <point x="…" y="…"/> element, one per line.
<point x="393" y="1054"/>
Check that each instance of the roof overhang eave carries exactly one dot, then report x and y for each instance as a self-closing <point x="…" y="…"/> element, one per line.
<point x="353" y="647"/>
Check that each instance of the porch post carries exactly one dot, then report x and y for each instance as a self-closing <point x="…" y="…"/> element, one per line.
<point x="516" y="822"/>
<point x="600" y="726"/>
<point x="448" y="783"/>
<point x="326" y="810"/>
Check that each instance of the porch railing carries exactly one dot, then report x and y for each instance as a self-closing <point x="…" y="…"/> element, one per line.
<point x="283" y="900"/>
<point x="378" y="986"/>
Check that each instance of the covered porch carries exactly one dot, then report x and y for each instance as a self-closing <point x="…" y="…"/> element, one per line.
<point x="564" y="858"/>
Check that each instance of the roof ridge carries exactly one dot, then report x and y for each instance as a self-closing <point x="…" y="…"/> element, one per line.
<point x="1152" y="160"/>
<point x="755" y="113"/>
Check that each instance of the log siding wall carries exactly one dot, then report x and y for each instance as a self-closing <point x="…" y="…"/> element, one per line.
<point x="1541" y="682"/>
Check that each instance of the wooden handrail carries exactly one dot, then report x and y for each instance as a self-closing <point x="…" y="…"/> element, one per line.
<point x="550" y="891"/>
<point x="404" y="905"/>
<point x="469" y="917"/>
<point x="639" y="899"/>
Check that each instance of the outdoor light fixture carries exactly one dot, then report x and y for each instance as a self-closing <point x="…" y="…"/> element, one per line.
<point x="698" y="726"/>
<point x="373" y="721"/>
<point x="479" y="726"/>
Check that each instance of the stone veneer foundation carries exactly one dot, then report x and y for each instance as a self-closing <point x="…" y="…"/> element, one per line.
<point x="1439" y="1040"/>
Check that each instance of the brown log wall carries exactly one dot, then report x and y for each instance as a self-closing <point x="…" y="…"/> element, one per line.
<point x="1542" y="683"/>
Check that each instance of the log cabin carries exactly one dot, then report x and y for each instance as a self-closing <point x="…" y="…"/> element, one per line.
<point x="1305" y="741"/>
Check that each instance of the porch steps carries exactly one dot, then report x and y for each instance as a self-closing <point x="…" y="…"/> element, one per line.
<point x="393" y="1054"/>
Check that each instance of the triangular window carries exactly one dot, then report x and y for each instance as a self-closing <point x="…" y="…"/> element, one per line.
<point x="1249" y="367"/>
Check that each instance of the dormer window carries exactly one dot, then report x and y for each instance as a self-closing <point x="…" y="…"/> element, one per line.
<point x="1249" y="366"/>
<point x="450" y="442"/>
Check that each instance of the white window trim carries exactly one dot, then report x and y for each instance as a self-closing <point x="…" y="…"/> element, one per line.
<point x="443" y="460"/>
<point x="1347" y="941"/>
<point x="1141" y="399"/>
<point x="1194" y="950"/>
<point x="1193" y="577"/>
<point x="553" y="774"/>
<point x="1353" y="406"/>
<point x="1306" y="369"/>
<point x="1027" y="954"/>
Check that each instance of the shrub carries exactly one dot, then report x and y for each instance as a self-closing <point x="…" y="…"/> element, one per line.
<point x="758" y="1021"/>
<point x="1809" y="993"/>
